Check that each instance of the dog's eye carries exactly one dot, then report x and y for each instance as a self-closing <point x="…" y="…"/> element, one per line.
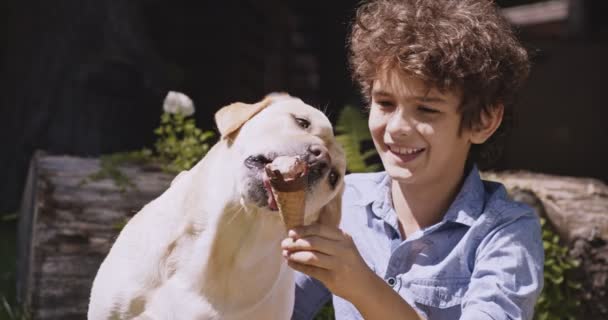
<point x="333" y="178"/>
<point x="303" y="123"/>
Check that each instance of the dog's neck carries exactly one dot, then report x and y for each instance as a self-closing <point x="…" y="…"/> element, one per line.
<point x="245" y="255"/>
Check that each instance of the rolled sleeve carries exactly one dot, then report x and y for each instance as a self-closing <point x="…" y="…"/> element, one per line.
<point x="508" y="273"/>
<point x="311" y="295"/>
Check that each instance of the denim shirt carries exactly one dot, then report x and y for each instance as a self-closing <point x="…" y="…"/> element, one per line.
<point x="483" y="260"/>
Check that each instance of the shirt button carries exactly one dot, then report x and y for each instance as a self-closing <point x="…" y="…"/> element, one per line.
<point x="391" y="281"/>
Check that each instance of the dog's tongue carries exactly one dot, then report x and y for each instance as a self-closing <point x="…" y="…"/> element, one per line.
<point x="272" y="204"/>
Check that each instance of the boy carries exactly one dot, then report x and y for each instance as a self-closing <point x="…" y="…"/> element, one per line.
<point x="427" y="238"/>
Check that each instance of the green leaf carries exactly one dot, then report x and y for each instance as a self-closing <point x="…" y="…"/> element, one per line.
<point x="352" y="132"/>
<point x="8" y="217"/>
<point x="207" y="135"/>
<point x="369" y="153"/>
<point x="558" y="298"/>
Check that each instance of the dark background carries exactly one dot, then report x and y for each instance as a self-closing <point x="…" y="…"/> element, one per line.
<point x="88" y="77"/>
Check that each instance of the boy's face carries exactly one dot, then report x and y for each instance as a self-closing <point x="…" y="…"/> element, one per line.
<point x="416" y="131"/>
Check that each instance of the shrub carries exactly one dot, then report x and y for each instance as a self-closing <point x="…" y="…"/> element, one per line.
<point x="179" y="146"/>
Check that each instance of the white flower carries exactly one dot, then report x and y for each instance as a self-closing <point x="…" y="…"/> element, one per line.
<point x="177" y="102"/>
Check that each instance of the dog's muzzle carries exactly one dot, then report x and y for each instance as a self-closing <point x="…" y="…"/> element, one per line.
<point x="316" y="156"/>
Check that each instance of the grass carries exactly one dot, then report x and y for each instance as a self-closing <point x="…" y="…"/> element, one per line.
<point x="8" y="257"/>
<point x="326" y="313"/>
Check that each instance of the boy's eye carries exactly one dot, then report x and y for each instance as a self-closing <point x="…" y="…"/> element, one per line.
<point x="385" y="103"/>
<point x="426" y="109"/>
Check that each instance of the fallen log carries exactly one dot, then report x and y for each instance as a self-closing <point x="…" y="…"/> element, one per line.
<point x="67" y="226"/>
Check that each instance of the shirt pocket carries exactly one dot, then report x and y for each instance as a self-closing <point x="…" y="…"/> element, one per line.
<point x="438" y="293"/>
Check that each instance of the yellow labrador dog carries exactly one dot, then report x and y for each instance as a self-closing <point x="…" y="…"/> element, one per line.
<point x="209" y="246"/>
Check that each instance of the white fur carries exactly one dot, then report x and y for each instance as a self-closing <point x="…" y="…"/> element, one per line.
<point x="203" y="249"/>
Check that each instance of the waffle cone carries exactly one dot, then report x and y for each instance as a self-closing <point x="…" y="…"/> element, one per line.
<point x="291" y="206"/>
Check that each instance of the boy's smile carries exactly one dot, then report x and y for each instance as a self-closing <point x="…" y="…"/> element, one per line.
<point x="404" y="154"/>
<point x="416" y="130"/>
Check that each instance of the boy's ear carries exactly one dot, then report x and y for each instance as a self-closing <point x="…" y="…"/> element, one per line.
<point x="489" y="122"/>
<point x="231" y="118"/>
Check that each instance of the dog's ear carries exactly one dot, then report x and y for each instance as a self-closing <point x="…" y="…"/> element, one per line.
<point x="332" y="212"/>
<point x="230" y="118"/>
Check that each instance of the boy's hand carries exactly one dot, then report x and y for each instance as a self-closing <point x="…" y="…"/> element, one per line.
<point x="329" y="255"/>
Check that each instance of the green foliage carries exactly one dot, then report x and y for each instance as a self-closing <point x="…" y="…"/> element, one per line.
<point x="179" y="146"/>
<point x="109" y="166"/>
<point x="8" y="217"/>
<point x="326" y="313"/>
<point x="180" y="143"/>
<point x="352" y="132"/>
<point x="558" y="299"/>
<point x="10" y="312"/>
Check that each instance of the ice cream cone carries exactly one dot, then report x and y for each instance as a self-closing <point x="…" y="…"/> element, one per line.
<point x="288" y="178"/>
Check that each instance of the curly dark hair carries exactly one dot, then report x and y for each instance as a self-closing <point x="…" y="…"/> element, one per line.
<point x="448" y="44"/>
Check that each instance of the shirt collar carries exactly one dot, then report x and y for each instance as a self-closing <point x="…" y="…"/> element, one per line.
<point x="465" y="208"/>
<point x="470" y="201"/>
<point x="378" y="193"/>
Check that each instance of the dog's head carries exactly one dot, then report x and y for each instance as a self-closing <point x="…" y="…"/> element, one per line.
<point x="282" y="125"/>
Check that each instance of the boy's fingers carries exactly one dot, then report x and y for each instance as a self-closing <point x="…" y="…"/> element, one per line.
<point x="310" y="258"/>
<point x="287" y="242"/>
<point x="312" y="243"/>
<point x="316" y="229"/>
<point x="315" y="272"/>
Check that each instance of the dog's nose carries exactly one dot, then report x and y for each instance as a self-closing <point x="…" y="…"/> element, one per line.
<point x="318" y="154"/>
<point x="319" y="161"/>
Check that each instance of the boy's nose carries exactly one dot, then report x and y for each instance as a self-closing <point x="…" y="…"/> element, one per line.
<point x="399" y="125"/>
